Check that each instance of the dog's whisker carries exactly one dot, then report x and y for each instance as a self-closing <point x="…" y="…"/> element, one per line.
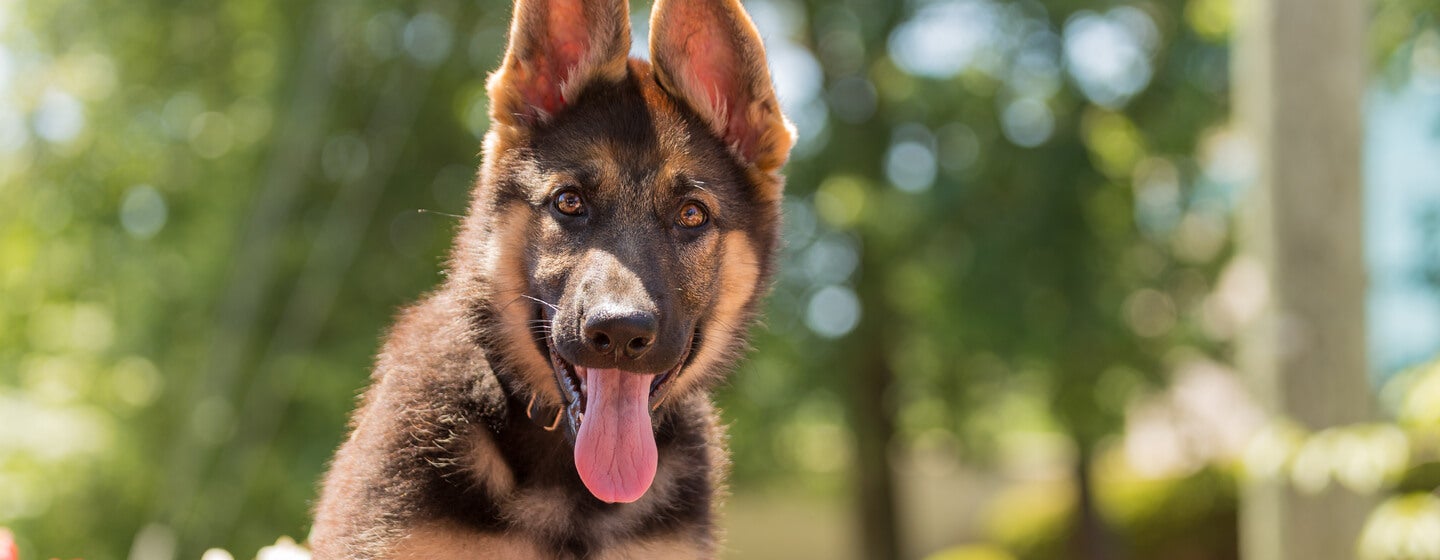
<point x="538" y="300"/>
<point x="429" y="211"/>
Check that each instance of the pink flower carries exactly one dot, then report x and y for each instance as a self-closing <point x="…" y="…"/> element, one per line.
<point x="7" y="546"/>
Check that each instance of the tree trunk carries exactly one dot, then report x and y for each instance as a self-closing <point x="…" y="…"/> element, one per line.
<point x="1090" y="538"/>
<point x="1299" y="84"/>
<point x="874" y="429"/>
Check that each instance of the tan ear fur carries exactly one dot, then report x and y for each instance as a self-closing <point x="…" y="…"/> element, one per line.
<point x="556" y="49"/>
<point x="709" y="54"/>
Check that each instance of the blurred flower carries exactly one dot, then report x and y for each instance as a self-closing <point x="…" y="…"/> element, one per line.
<point x="1404" y="527"/>
<point x="1206" y="417"/>
<point x="1270" y="450"/>
<point x="1241" y="294"/>
<point x="1361" y="457"/>
<point x="1371" y="455"/>
<point x="7" y="546"/>
<point x="1415" y="394"/>
<point x="284" y="549"/>
<point x="216" y="554"/>
<point x="1020" y="514"/>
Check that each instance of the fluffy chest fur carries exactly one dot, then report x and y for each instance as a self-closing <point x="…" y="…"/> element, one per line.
<point x="468" y="470"/>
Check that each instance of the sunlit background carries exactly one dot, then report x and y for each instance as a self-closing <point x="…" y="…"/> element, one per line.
<point x="1008" y="306"/>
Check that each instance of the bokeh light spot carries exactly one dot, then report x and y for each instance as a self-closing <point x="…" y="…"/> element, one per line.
<point x="143" y="212"/>
<point x="1027" y="122"/>
<point x="853" y="99"/>
<point x="136" y="382"/>
<point x="344" y="158"/>
<point x="427" y="38"/>
<point x="833" y="311"/>
<point x="60" y="117"/>
<point x="1211" y="19"/>
<point x="840" y="200"/>
<point x="211" y="135"/>
<point x="910" y="162"/>
<point x="1107" y="54"/>
<point x="831" y="259"/>
<point x="945" y="38"/>
<point x="958" y="146"/>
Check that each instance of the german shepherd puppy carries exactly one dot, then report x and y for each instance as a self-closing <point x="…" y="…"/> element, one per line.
<point x="551" y="398"/>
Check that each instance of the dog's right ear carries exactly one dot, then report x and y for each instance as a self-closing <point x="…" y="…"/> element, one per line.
<point x="557" y="48"/>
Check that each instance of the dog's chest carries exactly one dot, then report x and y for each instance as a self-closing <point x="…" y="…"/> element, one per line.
<point x="561" y="512"/>
<point x="553" y="523"/>
<point x="515" y="494"/>
<point x="448" y="541"/>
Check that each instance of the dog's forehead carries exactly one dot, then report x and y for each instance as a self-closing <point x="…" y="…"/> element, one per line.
<point x="634" y="133"/>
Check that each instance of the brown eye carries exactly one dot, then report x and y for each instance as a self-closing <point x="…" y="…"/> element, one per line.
<point x="692" y="215"/>
<point x="568" y="202"/>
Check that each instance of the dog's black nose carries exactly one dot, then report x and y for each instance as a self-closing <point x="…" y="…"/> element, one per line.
<point x="629" y="333"/>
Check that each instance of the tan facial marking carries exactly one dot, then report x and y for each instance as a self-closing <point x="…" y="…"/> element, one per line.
<point x="739" y="267"/>
<point x="505" y="265"/>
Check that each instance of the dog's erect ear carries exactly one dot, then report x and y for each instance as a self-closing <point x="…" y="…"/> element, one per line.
<point x="708" y="53"/>
<point x="557" y="48"/>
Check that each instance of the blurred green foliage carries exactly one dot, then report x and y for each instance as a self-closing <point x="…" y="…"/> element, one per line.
<point x="209" y="212"/>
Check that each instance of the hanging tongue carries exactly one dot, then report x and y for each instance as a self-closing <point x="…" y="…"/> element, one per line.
<point x="615" y="449"/>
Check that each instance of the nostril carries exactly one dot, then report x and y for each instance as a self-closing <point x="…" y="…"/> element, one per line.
<point x="622" y="333"/>
<point x="637" y="346"/>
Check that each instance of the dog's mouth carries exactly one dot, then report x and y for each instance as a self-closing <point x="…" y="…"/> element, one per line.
<point x="607" y="419"/>
<point x="573" y="379"/>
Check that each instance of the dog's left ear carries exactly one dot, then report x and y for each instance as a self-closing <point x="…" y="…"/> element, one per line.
<point x="557" y="48"/>
<point x="708" y="53"/>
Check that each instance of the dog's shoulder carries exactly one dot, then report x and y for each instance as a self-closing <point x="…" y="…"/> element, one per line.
<point x="413" y="433"/>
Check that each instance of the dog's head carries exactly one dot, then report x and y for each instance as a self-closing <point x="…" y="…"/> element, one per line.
<point x="626" y="216"/>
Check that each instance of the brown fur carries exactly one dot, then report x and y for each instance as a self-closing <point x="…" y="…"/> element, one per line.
<point x="448" y="456"/>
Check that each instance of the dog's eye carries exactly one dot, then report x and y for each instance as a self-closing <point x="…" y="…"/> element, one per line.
<point x="568" y="202"/>
<point x="692" y="215"/>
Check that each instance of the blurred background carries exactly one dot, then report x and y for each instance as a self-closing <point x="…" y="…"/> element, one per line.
<point x="1011" y="322"/>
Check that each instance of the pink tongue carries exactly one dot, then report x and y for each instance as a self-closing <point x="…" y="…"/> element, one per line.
<point x="615" y="449"/>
